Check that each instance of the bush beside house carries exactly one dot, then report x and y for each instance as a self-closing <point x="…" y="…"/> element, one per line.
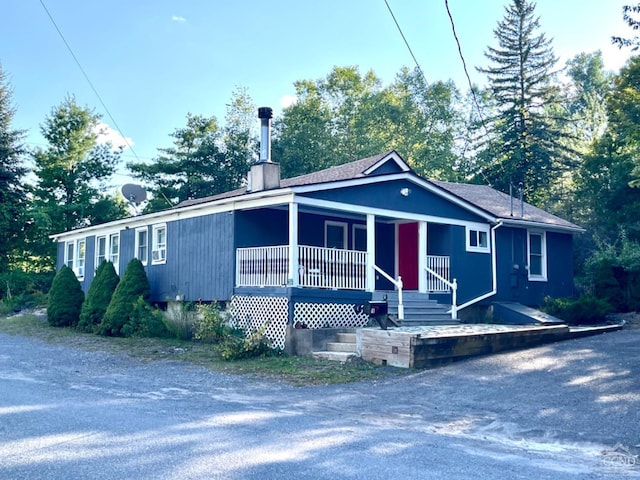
<point x="65" y="299"/>
<point x="98" y="297"/>
<point x="120" y="312"/>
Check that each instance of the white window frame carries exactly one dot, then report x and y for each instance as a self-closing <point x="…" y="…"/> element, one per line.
<point x="143" y="258"/>
<point x="542" y="276"/>
<point x="70" y="254"/>
<point x="333" y="223"/>
<point x="355" y="227"/>
<point x="101" y="258"/>
<point x="477" y="232"/>
<point x="114" y="255"/>
<point x="158" y="250"/>
<point x="81" y="257"/>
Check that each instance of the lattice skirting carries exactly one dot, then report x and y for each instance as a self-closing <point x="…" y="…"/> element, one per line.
<point x="253" y="313"/>
<point x="328" y="315"/>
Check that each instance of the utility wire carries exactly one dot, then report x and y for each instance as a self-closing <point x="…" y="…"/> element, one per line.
<point x="406" y="42"/>
<point x="464" y="66"/>
<point x="115" y="124"/>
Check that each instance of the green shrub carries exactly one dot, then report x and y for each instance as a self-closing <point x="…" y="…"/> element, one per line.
<point x="98" y="297"/>
<point x="65" y="299"/>
<point x="239" y="344"/>
<point x="587" y="310"/>
<point x="134" y="284"/>
<point x="213" y="326"/>
<point x="21" y="290"/>
<point x="210" y="325"/>
<point x="145" y="321"/>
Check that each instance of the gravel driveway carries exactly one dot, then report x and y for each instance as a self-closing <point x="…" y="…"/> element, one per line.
<point x="543" y="413"/>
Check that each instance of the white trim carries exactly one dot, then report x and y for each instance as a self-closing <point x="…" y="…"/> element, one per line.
<point x="136" y="252"/>
<point x="549" y="227"/>
<point x="542" y="277"/>
<point x="394" y="157"/>
<point x="99" y="259"/>
<point x="354" y="227"/>
<point x="479" y="231"/>
<point x="111" y="256"/>
<point x="422" y="256"/>
<point x="69" y="260"/>
<point x="158" y="251"/>
<point x="371" y="253"/>
<point x="345" y="233"/>
<point x="294" y="260"/>
<point x="79" y="270"/>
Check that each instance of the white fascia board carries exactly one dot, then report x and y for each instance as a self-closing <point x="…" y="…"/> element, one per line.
<point x="550" y="227"/>
<point x="256" y="200"/>
<point x="398" y="176"/>
<point x="383" y="212"/>
<point x="393" y="156"/>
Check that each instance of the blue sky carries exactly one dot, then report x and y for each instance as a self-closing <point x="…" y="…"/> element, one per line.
<point x="152" y="62"/>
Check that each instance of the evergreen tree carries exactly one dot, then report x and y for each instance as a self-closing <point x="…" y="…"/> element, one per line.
<point x="65" y="299"/>
<point x="98" y="297"/>
<point x="72" y="174"/>
<point x="526" y="144"/>
<point x="120" y="312"/>
<point x="12" y="194"/>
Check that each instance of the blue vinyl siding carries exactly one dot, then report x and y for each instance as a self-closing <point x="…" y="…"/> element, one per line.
<point x="200" y="260"/>
<point x="387" y="195"/>
<point x="261" y="227"/>
<point x="513" y="282"/>
<point x="472" y="270"/>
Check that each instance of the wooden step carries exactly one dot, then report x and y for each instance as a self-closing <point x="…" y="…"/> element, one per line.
<point x="341" y="347"/>
<point x="334" y="356"/>
<point x="347" y="337"/>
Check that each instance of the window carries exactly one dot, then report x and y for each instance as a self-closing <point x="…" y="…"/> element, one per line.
<point x="142" y="245"/>
<point x="114" y="250"/>
<point x="101" y="250"/>
<point x="108" y="248"/>
<point x="80" y="259"/>
<point x="159" y="249"/>
<point x="69" y="254"/>
<point x="537" y="252"/>
<point x="335" y="234"/>
<point x="359" y="237"/>
<point x="477" y="239"/>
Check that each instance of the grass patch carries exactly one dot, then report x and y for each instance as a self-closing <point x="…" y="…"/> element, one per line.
<point x="294" y="370"/>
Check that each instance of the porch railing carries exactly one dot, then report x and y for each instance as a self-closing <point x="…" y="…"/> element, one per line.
<point x="440" y="265"/>
<point x="438" y="273"/>
<point x="318" y="267"/>
<point x="262" y="266"/>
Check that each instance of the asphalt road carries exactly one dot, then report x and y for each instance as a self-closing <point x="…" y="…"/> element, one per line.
<point x="543" y="413"/>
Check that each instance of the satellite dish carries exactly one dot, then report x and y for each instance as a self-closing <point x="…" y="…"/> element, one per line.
<point x="133" y="193"/>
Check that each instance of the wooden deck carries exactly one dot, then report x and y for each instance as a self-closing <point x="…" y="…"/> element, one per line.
<point x="423" y="347"/>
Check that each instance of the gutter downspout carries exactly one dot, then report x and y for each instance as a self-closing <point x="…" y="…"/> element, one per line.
<point x="494" y="268"/>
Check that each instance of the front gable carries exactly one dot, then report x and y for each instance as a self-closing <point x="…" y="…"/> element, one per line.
<point x="399" y="195"/>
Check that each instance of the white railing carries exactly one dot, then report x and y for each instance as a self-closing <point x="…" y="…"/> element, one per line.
<point x="398" y="284"/>
<point x="321" y="267"/>
<point x="318" y="267"/>
<point x="440" y="265"/>
<point x="438" y="273"/>
<point x="262" y="266"/>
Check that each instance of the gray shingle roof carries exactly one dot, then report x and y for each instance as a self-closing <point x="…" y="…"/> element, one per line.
<point x="493" y="202"/>
<point x="498" y="204"/>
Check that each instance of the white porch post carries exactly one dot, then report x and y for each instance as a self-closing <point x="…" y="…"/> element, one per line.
<point x="293" y="277"/>
<point x="371" y="252"/>
<point x="422" y="257"/>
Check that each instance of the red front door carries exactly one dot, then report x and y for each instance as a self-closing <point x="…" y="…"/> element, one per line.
<point x="408" y="255"/>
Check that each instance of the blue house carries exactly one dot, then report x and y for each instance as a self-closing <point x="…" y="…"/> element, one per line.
<point x="309" y="251"/>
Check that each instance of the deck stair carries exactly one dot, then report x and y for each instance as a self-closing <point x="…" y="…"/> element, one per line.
<point x="419" y="309"/>
<point x="342" y="350"/>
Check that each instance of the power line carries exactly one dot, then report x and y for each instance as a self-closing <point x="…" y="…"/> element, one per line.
<point x="115" y="124"/>
<point x="406" y="43"/>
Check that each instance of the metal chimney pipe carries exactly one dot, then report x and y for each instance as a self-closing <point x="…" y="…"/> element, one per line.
<point x="265" y="114"/>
